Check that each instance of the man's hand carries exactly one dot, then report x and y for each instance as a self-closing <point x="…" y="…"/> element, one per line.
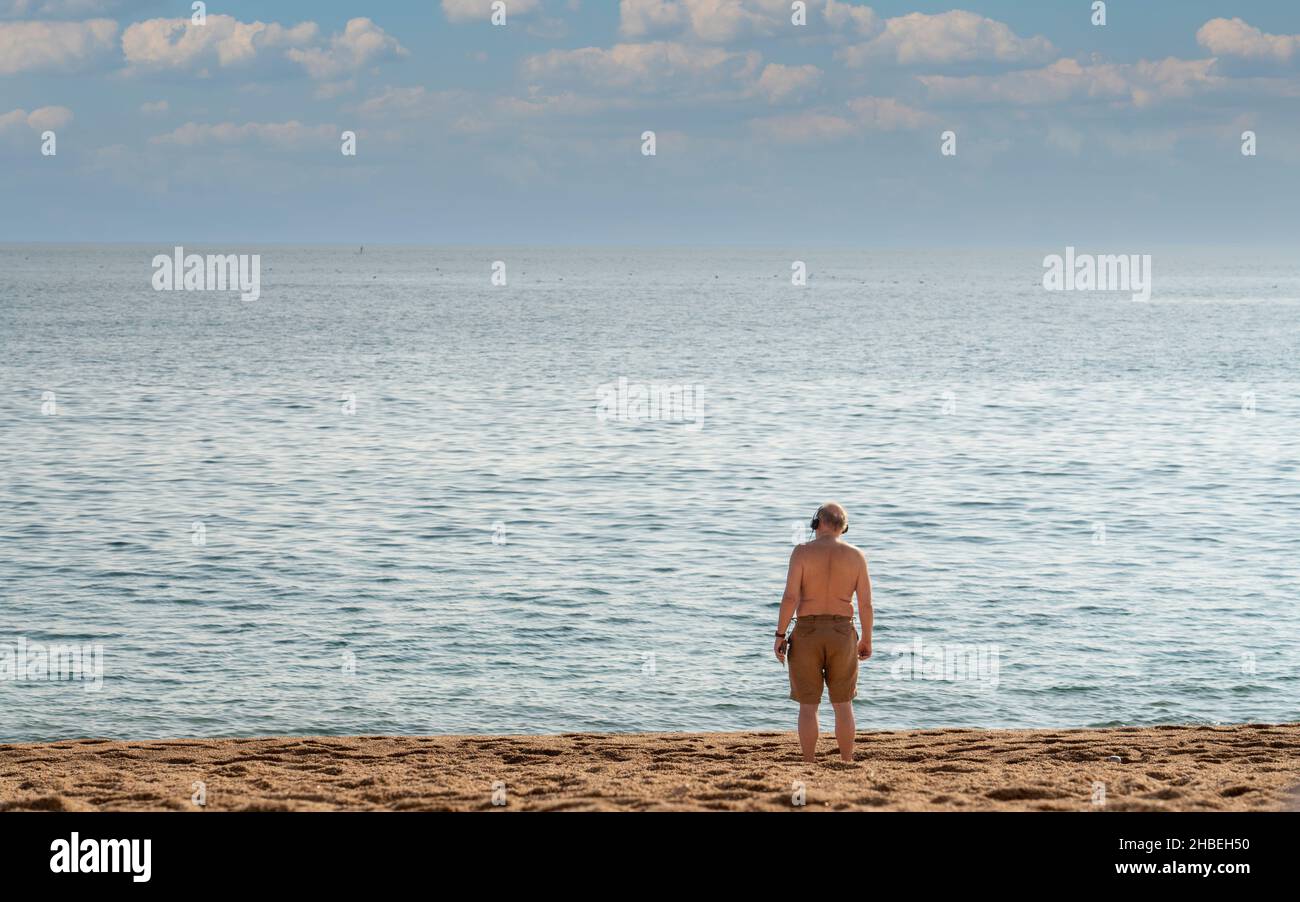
<point x="864" y="649"/>
<point x="779" y="649"/>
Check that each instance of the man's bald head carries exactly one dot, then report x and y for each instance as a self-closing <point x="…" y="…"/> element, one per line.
<point x="831" y="519"/>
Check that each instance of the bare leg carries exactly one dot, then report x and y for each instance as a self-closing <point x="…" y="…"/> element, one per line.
<point x="845" y="728"/>
<point x="808" y="731"/>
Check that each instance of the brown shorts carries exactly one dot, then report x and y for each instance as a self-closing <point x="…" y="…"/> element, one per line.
<point x="823" y="649"/>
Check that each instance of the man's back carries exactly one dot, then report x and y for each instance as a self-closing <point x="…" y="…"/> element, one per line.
<point x="828" y="571"/>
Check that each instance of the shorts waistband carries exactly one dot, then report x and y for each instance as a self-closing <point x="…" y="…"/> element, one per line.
<point x="844" y="618"/>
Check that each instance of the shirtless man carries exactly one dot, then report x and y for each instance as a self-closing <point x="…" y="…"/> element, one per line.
<point x="825" y="648"/>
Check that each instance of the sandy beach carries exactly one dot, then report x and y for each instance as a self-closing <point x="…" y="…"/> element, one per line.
<point x="1221" y="768"/>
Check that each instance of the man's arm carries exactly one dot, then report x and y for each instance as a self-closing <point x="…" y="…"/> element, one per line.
<point x="865" y="612"/>
<point x="789" y="601"/>
<point x="790" y="598"/>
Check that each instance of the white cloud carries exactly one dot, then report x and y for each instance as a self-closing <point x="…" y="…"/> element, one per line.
<point x="952" y="37"/>
<point x="643" y="68"/>
<point x="1233" y="37"/>
<point x="224" y="41"/>
<point x="54" y="46"/>
<point x="850" y="16"/>
<point x="1141" y="83"/>
<point x="481" y="10"/>
<point x="278" y="134"/>
<point x="705" y="20"/>
<point x="49" y="117"/>
<point x="37" y="120"/>
<point x="638" y="18"/>
<point x="779" y="82"/>
<point x="361" y="43"/>
<point x="877" y="114"/>
<point x="154" y="107"/>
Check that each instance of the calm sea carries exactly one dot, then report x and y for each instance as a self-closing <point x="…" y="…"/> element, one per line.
<point x="380" y="498"/>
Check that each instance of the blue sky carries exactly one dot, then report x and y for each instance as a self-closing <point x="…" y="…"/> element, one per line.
<point x="767" y="133"/>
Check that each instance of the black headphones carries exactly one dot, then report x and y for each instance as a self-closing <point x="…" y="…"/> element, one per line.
<point x="816" y="521"/>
